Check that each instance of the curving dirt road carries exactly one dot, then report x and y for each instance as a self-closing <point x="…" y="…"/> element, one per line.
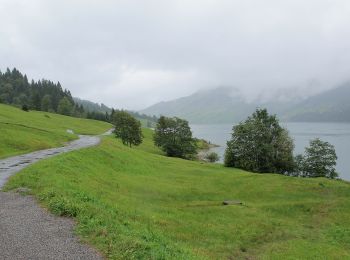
<point x="28" y="231"/>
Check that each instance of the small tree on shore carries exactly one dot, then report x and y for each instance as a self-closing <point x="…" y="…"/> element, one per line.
<point x="319" y="160"/>
<point x="260" y="144"/>
<point x="127" y="128"/>
<point x="174" y="137"/>
<point x="212" y="157"/>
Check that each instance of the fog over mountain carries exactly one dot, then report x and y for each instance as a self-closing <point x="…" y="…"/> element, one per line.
<point x="132" y="54"/>
<point x="224" y="105"/>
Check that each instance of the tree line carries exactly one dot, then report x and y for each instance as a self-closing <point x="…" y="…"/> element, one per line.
<point x="45" y="95"/>
<point x="171" y="135"/>
<point x="42" y="95"/>
<point x="258" y="144"/>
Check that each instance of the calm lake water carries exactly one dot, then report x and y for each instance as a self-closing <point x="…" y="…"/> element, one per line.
<point x="337" y="134"/>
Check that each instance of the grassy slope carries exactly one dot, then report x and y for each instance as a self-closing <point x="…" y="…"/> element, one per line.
<point x="136" y="203"/>
<point x="22" y="132"/>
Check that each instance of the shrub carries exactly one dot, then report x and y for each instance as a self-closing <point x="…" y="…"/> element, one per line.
<point x="25" y="108"/>
<point x="212" y="157"/>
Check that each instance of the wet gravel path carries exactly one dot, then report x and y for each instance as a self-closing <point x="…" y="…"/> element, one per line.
<point x="28" y="231"/>
<point x="12" y="165"/>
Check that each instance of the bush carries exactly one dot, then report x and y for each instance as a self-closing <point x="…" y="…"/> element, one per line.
<point x="212" y="157"/>
<point x="25" y="108"/>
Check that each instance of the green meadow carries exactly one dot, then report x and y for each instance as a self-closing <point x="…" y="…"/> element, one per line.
<point x="23" y="132"/>
<point x="135" y="203"/>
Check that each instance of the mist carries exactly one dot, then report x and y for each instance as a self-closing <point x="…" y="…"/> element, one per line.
<point x="132" y="54"/>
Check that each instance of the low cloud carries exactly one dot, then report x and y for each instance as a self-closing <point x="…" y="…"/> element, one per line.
<point x="132" y="54"/>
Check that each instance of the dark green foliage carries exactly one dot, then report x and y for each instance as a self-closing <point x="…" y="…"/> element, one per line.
<point x="212" y="157"/>
<point x="174" y="137"/>
<point x="78" y="111"/>
<point x="319" y="160"/>
<point x="65" y="107"/>
<point x="46" y="103"/>
<point x="45" y="95"/>
<point x="25" y="108"/>
<point x="298" y="166"/>
<point x="127" y="128"/>
<point x="260" y="144"/>
<point x="98" y="116"/>
<point x="35" y="102"/>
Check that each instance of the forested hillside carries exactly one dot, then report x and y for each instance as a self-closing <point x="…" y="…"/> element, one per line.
<point x="43" y="95"/>
<point x="95" y="110"/>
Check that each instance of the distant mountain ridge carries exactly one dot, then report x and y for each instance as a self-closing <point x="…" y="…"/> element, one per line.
<point x="330" y="106"/>
<point x="213" y="106"/>
<point x="220" y="106"/>
<point x="92" y="107"/>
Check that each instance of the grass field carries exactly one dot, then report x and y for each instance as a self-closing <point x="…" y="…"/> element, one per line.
<point x="134" y="203"/>
<point x="23" y="132"/>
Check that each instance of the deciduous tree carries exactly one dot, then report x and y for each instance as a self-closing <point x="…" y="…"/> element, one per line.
<point x="127" y="128"/>
<point x="319" y="160"/>
<point x="174" y="137"/>
<point x="260" y="144"/>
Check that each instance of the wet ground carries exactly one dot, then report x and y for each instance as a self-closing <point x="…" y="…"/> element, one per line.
<point x="12" y="165"/>
<point x="28" y="231"/>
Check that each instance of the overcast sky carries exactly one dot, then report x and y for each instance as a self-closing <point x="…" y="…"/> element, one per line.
<point x="132" y="54"/>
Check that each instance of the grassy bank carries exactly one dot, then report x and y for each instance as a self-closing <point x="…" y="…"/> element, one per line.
<point x="23" y="132"/>
<point x="134" y="203"/>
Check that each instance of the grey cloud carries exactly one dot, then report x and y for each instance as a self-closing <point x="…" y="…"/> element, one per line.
<point x="134" y="53"/>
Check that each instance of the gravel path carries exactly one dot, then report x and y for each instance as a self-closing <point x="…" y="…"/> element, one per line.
<point x="28" y="231"/>
<point x="14" y="164"/>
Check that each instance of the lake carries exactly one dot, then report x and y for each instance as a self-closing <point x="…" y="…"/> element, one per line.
<point x="337" y="134"/>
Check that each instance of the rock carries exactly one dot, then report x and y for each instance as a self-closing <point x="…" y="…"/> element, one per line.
<point x="232" y="202"/>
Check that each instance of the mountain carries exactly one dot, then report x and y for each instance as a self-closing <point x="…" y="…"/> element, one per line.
<point x="96" y="109"/>
<point x="214" y="106"/>
<point x="222" y="105"/>
<point x="90" y="106"/>
<point x="330" y="106"/>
